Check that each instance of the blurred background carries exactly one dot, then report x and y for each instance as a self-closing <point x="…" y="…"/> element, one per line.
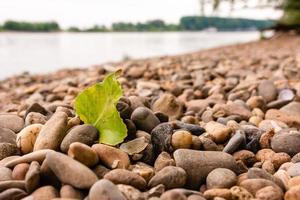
<point x="41" y="36"/>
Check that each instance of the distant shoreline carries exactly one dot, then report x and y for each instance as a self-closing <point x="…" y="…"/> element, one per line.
<point x="199" y="31"/>
<point x="188" y="23"/>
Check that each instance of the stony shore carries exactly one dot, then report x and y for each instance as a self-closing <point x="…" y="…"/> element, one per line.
<point x="220" y="124"/>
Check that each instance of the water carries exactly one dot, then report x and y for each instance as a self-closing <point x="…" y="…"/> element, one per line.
<point x="46" y="52"/>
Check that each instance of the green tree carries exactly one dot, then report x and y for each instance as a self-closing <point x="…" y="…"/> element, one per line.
<point x="291" y="9"/>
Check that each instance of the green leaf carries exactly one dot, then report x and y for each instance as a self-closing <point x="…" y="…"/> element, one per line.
<point x="96" y="105"/>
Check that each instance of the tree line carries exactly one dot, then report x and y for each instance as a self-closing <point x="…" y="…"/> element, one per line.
<point x="187" y="23"/>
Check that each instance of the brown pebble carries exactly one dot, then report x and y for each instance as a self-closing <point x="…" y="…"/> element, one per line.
<point x="83" y="153"/>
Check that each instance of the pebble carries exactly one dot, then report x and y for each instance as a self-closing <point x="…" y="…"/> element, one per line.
<point x="173" y="195"/>
<point x="294" y="170"/>
<point x="192" y="128"/>
<point x="7" y="149"/>
<point x="163" y="160"/>
<point x="135" y="146"/>
<point x="292" y="182"/>
<point x="221" y="178"/>
<point x="265" y="139"/>
<point x="280" y="158"/>
<point x="123" y="176"/>
<point x="5" y="174"/>
<point x="83" y="153"/>
<point x="52" y="133"/>
<point x="100" y="171"/>
<point x="283" y="176"/>
<point x="38" y="156"/>
<point x="287" y="142"/>
<point x="240" y="193"/>
<point x="253" y="185"/>
<point x="293" y="193"/>
<point x="237" y="140"/>
<point x="247" y="157"/>
<point x="264" y="154"/>
<point x="181" y="139"/>
<point x="130" y="192"/>
<point x="256" y="102"/>
<point x="13" y="194"/>
<point x="292" y="108"/>
<point x="170" y="177"/>
<point x="221" y="110"/>
<point x="161" y="138"/>
<point x="144" y="170"/>
<point x="12" y="122"/>
<point x="198" y="164"/>
<point x="219" y="132"/>
<point x="19" y="171"/>
<point x="45" y="192"/>
<point x="111" y="156"/>
<point x="4" y="185"/>
<point x="217" y="192"/>
<point x="156" y="191"/>
<point x="296" y="158"/>
<point x="86" y="134"/>
<point x="267" y="90"/>
<point x="35" y="118"/>
<point x="208" y="144"/>
<point x="27" y="137"/>
<point x="278" y="115"/>
<point x="67" y="191"/>
<point x="286" y="94"/>
<point x="269" y="193"/>
<point x="7" y="136"/>
<point x="144" y="119"/>
<point x="70" y="171"/>
<point x="195" y="197"/>
<point x="169" y="105"/>
<point x="268" y="166"/>
<point x="105" y="189"/>
<point x="32" y="177"/>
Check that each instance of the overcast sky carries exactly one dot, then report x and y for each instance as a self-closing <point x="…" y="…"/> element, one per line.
<point x="84" y="13"/>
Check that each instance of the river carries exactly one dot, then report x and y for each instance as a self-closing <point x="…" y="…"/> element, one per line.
<point x="46" y="52"/>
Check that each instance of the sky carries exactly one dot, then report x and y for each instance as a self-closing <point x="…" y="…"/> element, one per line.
<point x="85" y="13"/>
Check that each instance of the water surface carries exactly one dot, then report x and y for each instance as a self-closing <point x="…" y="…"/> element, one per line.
<point x="46" y="52"/>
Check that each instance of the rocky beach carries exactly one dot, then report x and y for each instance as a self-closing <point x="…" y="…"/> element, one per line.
<point x="218" y="124"/>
